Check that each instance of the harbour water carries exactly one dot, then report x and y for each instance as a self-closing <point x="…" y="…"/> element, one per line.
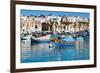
<point x="41" y="52"/>
<point x="50" y="35"/>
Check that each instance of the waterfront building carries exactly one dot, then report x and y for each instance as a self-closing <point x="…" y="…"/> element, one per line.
<point x="53" y="23"/>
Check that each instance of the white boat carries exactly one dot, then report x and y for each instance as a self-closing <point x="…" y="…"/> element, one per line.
<point x="41" y="39"/>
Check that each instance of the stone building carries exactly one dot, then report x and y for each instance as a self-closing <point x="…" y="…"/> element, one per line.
<point x="53" y="23"/>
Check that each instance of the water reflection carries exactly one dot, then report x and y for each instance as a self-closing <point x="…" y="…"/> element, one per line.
<point x="41" y="52"/>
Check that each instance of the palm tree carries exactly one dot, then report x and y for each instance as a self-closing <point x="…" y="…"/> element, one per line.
<point x="74" y="26"/>
<point x="65" y="22"/>
<point x="80" y="24"/>
<point x="87" y="24"/>
<point x="51" y="24"/>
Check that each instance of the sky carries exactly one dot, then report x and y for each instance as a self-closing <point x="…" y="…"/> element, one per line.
<point x="57" y="13"/>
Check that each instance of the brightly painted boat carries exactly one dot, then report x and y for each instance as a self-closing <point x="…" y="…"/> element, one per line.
<point x="68" y="41"/>
<point x="59" y="44"/>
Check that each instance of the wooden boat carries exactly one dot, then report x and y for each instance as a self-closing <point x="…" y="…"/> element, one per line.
<point x="41" y="39"/>
<point x="59" y="44"/>
<point x="68" y="41"/>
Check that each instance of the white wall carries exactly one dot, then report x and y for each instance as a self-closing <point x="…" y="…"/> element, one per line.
<point x="5" y="36"/>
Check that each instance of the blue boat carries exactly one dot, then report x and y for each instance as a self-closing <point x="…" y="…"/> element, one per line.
<point x="59" y="44"/>
<point x="68" y="41"/>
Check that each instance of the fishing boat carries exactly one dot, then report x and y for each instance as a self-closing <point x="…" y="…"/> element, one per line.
<point x="40" y="39"/>
<point x="59" y="44"/>
<point x="26" y="41"/>
<point x="68" y="41"/>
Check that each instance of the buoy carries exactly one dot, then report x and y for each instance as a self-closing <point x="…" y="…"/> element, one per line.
<point x="50" y="45"/>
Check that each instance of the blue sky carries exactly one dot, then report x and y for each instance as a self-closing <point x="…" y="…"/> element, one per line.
<point x="57" y="13"/>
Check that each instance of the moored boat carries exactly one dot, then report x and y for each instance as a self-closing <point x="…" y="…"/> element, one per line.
<point x="59" y="44"/>
<point x="41" y="39"/>
<point x="68" y="41"/>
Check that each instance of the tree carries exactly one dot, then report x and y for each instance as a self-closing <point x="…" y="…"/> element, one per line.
<point x="65" y="22"/>
<point x="74" y="26"/>
<point x="80" y="24"/>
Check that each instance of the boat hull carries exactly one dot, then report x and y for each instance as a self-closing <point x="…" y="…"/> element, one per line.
<point x="58" y="44"/>
<point x="39" y="41"/>
<point x="43" y="39"/>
